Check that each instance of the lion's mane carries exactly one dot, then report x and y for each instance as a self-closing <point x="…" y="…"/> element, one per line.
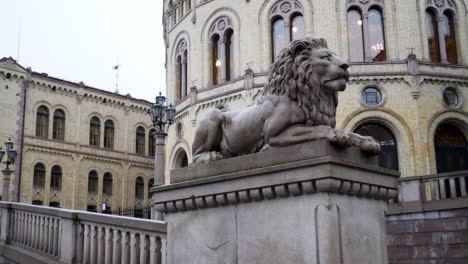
<point x="295" y="75"/>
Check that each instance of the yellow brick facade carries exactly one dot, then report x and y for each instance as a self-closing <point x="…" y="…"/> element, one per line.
<point x="412" y="107"/>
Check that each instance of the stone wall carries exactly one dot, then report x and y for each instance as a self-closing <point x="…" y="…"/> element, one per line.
<point x="428" y="238"/>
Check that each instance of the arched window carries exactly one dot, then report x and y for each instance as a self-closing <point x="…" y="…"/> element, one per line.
<point x="39" y="176"/>
<point x="181" y="160"/>
<point x="93" y="180"/>
<point x="432" y="36"/>
<point x="441" y="31"/>
<point x="56" y="178"/>
<point x="94" y="131"/>
<point x="140" y="141"/>
<point x="59" y="125"/>
<point x="287" y="24"/>
<point x="451" y="149"/>
<point x="388" y="157"/>
<point x="109" y="134"/>
<point x="181" y="70"/>
<point x="366" y="31"/>
<point x="42" y="122"/>
<point x="107" y="184"/>
<point x="139" y="188"/>
<point x="151" y="143"/>
<point x="222" y="50"/>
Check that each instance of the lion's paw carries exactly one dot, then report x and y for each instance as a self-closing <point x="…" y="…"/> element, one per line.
<point x="265" y="148"/>
<point x="340" y="138"/>
<point x="214" y="155"/>
<point x="369" y="145"/>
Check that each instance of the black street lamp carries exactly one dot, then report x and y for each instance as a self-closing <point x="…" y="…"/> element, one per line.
<point x="10" y="160"/>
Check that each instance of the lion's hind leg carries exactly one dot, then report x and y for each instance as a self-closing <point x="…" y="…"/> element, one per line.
<point x="300" y="134"/>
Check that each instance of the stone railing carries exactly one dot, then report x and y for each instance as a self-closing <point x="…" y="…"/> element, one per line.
<point x="36" y="234"/>
<point x="431" y="193"/>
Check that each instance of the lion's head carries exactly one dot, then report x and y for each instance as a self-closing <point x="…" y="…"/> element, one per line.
<point x="312" y="75"/>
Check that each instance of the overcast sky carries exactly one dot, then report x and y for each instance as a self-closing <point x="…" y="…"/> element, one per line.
<point x="81" y="40"/>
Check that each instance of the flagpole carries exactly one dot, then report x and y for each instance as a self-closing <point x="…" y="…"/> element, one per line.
<point x="116" y="68"/>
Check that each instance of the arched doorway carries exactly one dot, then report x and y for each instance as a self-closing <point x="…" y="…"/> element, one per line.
<point x="181" y="159"/>
<point x="451" y="149"/>
<point x="388" y="156"/>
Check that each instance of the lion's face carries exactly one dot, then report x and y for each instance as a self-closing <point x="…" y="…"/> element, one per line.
<point x="331" y="69"/>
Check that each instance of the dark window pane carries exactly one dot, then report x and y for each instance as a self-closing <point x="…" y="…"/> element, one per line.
<point x="451" y="149"/>
<point x="56" y="178"/>
<point x="95" y="132"/>
<point x="355" y="36"/>
<point x="376" y="35"/>
<point x="140" y="141"/>
<point x="39" y="176"/>
<point x="179" y="78"/>
<point x="59" y="125"/>
<point x="139" y="188"/>
<point x="216" y="63"/>
<point x="107" y="184"/>
<point x="93" y="182"/>
<point x="152" y="143"/>
<point x="388" y="156"/>
<point x="229" y="54"/>
<point x="450" y="40"/>
<point x="42" y="122"/>
<point x="109" y="134"/>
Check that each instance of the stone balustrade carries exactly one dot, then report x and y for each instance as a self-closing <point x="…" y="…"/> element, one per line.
<point x="36" y="234"/>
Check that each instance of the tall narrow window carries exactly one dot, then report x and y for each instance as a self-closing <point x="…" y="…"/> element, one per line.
<point x="222" y="50"/>
<point x="388" y="156"/>
<point x="107" y="184"/>
<point x="216" y="62"/>
<point x="286" y="23"/>
<point x="376" y="35"/>
<point x="93" y="182"/>
<point x="150" y="184"/>
<point x="139" y="188"/>
<point x="229" y="53"/>
<point x="432" y="36"/>
<point x="59" y="125"/>
<point x="181" y="70"/>
<point x="450" y="41"/>
<point x="109" y="134"/>
<point x="42" y="122"/>
<point x="140" y="141"/>
<point x="441" y="31"/>
<point x="366" y="31"/>
<point x="56" y="178"/>
<point x="39" y="176"/>
<point x="451" y="149"/>
<point x="94" y="131"/>
<point x="151" y="142"/>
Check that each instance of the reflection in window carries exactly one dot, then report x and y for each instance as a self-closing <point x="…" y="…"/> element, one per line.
<point x="451" y="149"/>
<point x="151" y="143"/>
<point x="297" y="28"/>
<point x="388" y="157"/>
<point x="450" y="41"/>
<point x="356" y="36"/>
<point x="432" y="36"/>
<point x="58" y="131"/>
<point x="376" y="35"/>
<point x="278" y="37"/>
<point x="94" y="131"/>
<point x="216" y="62"/>
<point x="39" y="176"/>
<point x="56" y="178"/>
<point x="42" y="122"/>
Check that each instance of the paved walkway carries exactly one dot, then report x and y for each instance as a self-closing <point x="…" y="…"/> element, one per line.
<point x="6" y="261"/>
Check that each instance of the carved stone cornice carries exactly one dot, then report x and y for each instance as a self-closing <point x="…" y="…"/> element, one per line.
<point x="304" y="169"/>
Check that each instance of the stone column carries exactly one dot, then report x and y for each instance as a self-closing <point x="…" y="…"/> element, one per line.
<point x="108" y="247"/>
<point x="441" y="27"/>
<point x="133" y="249"/>
<point x="6" y="184"/>
<point x="124" y="259"/>
<point x="5" y="224"/>
<point x="67" y="240"/>
<point x="115" y="249"/>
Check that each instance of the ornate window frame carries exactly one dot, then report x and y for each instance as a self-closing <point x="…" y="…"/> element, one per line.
<point x="380" y="89"/>
<point x="181" y="83"/>
<point x="459" y="95"/>
<point x="221" y="28"/>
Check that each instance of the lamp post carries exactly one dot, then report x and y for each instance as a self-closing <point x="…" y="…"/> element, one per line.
<point x="162" y="117"/>
<point x="10" y="160"/>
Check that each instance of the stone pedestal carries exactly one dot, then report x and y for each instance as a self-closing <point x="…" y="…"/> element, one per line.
<point x="308" y="203"/>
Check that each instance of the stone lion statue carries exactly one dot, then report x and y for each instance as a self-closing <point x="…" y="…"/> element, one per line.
<point x="298" y="105"/>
